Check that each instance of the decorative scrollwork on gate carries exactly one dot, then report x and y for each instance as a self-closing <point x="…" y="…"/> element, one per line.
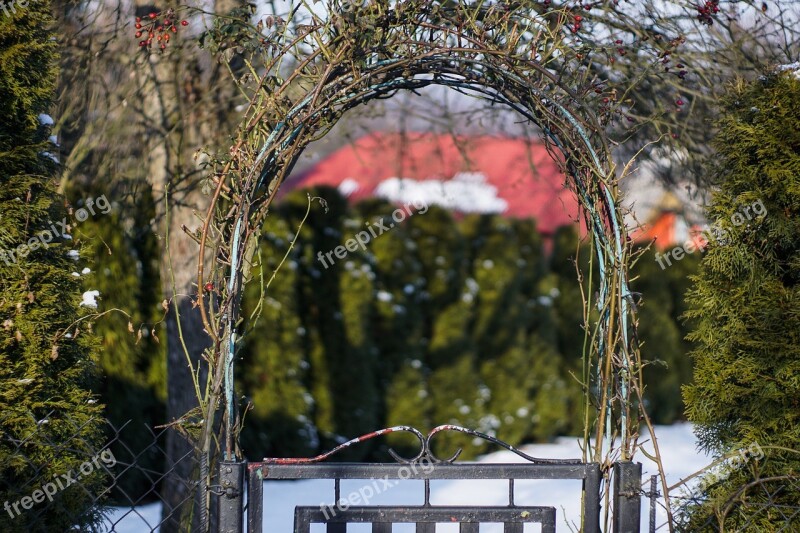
<point x="425" y="453"/>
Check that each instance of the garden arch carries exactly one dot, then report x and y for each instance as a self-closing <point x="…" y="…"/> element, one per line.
<point x="320" y="65"/>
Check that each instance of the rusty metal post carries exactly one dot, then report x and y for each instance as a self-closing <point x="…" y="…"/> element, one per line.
<point x="627" y="497"/>
<point x="231" y="497"/>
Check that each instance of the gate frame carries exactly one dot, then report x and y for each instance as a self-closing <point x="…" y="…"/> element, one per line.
<point x="425" y="466"/>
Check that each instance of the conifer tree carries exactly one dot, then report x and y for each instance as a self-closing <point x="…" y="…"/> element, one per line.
<point x="746" y="303"/>
<point x="50" y="421"/>
<point x="123" y="263"/>
<point x="661" y="332"/>
<point x="274" y="362"/>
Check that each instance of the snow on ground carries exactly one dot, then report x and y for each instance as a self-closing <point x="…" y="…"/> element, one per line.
<point x="677" y="444"/>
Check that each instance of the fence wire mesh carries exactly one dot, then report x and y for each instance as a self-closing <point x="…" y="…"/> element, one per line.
<point x="62" y="474"/>
<point x="758" y="507"/>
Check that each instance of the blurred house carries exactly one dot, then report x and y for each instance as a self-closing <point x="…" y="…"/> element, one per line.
<point x="514" y="177"/>
<point x="667" y="226"/>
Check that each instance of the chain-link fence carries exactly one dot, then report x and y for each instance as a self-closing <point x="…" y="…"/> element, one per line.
<point x="61" y="474"/>
<point x="757" y="506"/>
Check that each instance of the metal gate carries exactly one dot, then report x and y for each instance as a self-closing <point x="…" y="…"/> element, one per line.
<point x="425" y="467"/>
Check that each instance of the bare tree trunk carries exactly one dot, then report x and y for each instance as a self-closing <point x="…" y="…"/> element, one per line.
<point x="178" y="83"/>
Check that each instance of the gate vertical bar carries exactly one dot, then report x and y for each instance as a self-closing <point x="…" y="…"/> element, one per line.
<point x="231" y="508"/>
<point x="591" y="499"/>
<point x="627" y="497"/>
<point x="255" y="500"/>
<point x="653" y="495"/>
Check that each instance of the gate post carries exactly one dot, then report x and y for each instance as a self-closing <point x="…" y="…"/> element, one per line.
<point x="231" y="509"/>
<point x="627" y="497"/>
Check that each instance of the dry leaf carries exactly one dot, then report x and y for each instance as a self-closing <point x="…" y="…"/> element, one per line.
<point x="155" y="337"/>
<point x="165" y="305"/>
<point x="54" y="352"/>
<point x="130" y="326"/>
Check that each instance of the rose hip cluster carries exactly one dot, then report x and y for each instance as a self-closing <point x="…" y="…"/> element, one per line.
<point x="157" y="28"/>
<point x="706" y="12"/>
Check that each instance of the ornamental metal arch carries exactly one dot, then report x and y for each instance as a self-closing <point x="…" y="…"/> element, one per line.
<point x="323" y="61"/>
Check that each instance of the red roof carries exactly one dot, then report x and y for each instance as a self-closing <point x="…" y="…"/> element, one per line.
<point x="515" y="177"/>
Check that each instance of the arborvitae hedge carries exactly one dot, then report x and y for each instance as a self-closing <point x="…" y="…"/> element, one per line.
<point x="746" y="303"/>
<point x="48" y="419"/>
<point x="438" y="321"/>
<point x="132" y="362"/>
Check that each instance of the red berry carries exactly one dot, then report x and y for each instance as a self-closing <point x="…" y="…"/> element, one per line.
<point x="674" y="135"/>
<point x="679" y="101"/>
<point x="138" y="19"/>
<point x="142" y="43"/>
<point x="153" y="15"/>
<point x="163" y="46"/>
<point x="184" y="23"/>
<point x="578" y="18"/>
<point x="174" y="29"/>
<point x="618" y="41"/>
<point x="138" y="26"/>
<point x="138" y="34"/>
<point x="209" y="286"/>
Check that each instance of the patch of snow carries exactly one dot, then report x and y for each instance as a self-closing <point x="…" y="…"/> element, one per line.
<point x="384" y="296"/>
<point x="789" y="66"/>
<point x="51" y="157"/>
<point x="348" y="186"/>
<point x="74" y="255"/>
<point x="75" y="275"/>
<point x="46" y="120"/>
<point x="86" y="270"/>
<point x="89" y="299"/>
<point x="54" y="140"/>
<point x="467" y="192"/>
